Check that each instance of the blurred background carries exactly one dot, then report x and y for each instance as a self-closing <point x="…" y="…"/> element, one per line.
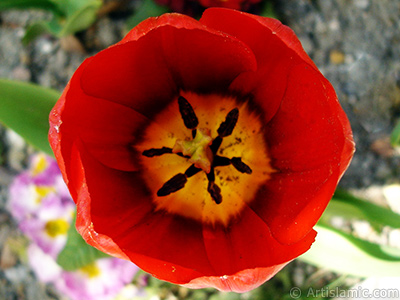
<point x="355" y="44"/>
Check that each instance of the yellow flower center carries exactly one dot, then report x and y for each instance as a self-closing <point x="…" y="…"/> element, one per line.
<point x="40" y="164"/>
<point x="222" y="157"/>
<point x="56" y="227"/>
<point x="91" y="270"/>
<point x="42" y="191"/>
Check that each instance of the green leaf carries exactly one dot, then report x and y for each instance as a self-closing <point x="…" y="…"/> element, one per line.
<point x="349" y="207"/>
<point x="268" y="10"/>
<point x="39" y="28"/>
<point x="148" y="9"/>
<point x="77" y="253"/>
<point x="395" y="137"/>
<point x="70" y="16"/>
<point x="25" y="108"/>
<point x="25" y="4"/>
<point x="82" y="18"/>
<point x="49" y="5"/>
<point x="33" y="31"/>
<point x="73" y="6"/>
<point x="343" y="253"/>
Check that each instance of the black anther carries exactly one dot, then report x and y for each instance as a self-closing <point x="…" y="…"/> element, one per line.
<point x="215" y="192"/>
<point x="240" y="166"/>
<point x="156" y="151"/>
<point x="226" y="127"/>
<point x="213" y="189"/>
<point x="188" y="115"/>
<point x="174" y="184"/>
<point x="220" y="161"/>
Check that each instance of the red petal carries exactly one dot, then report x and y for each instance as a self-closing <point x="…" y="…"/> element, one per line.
<point x="310" y="138"/>
<point x="121" y="221"/>
<point x="240" y="282"/>
<point x="248" y="245"/>
<point x="310" y="143"/>
<point x="75" y="177"/>
<point x="251" y="29"/>
<point x="106" y="128"/>
<point x="275" y="46"/>
<point x="160" y="57"/>
<point x="114" y="209"/>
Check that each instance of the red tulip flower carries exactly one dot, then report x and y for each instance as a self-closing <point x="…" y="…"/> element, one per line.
<point x="203" y="151"/>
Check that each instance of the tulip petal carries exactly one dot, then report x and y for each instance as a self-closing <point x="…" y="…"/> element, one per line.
<point x="75" y="178"/>
<point x="167" y="246"/>
<point x="240" y="282"/>
<point x="123" y="217"/>
<point x="248" y="244"/>
<point x="175" y="53"/>
<point x="251" y="29"/>
<point x="275" y="46"/>
<point x="107" y="128"/>
<point x="310" y="145"/>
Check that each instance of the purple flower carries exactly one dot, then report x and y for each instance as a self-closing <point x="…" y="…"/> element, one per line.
<point x="37" y="186"/>
<point x="44" y="266"/>
<point x="50" y="226"/>
<point x="101" y="280"/>
<point x="40" y="202"/>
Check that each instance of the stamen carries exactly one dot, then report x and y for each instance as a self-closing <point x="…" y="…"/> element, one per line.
<point x="156" y="151"/>
<point x="213" y="188"/>
<point x="215" y="192"/>
<point x="174" y="184"/>
<point x="211" y="175"/>
<point x="216" y="143"/>
<point x="192" y="170"/>
<point x="220" y="161"/>
<point x="226" y="127"/>
<point x="241" y="166"/>
<point x="160" y="151"/>
<point x="188" y="115"/>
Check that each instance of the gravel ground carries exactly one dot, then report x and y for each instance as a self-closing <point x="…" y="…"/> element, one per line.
<point x="355" y="43"/>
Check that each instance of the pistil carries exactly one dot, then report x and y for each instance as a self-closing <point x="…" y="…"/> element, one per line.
<point x="197" y="149"/>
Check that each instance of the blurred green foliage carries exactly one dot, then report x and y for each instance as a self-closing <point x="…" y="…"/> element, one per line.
<point x="77" y="253"/>
<point x="395" y="137"/>
<point x="25" y="108"/>
<point x="68" y="16"/>
<point x="147" y="9"/>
